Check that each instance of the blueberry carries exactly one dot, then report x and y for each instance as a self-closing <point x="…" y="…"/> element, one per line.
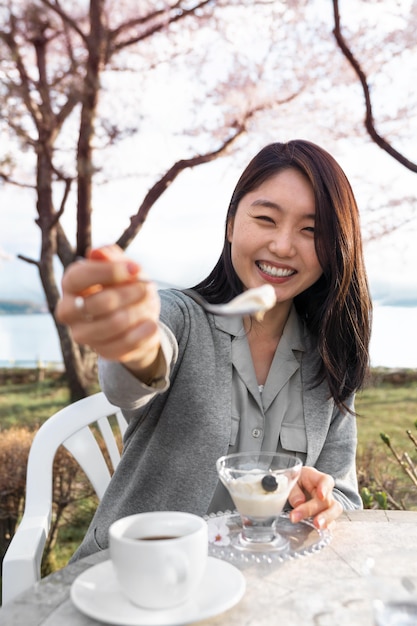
<point x="269" y="482"/>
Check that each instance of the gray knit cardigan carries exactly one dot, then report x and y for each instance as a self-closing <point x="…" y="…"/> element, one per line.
<point x="175" y="436"/>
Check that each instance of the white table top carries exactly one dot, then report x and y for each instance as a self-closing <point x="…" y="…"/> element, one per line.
<point x="323" y="589"/>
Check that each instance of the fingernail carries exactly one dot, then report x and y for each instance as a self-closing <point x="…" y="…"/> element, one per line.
<point x="295" y="517"/>
<point x="321" y="522"/>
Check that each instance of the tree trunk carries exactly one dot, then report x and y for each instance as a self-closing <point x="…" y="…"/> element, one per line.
<point x="96" y="41"/>
<point x="80" y="363"/>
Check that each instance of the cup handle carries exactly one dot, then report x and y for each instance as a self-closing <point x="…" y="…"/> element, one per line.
<point x="177" y="570"/>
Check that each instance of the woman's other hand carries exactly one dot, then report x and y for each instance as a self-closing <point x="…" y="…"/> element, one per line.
<point x="313" y="497"/>
<point x="111" y="310"/>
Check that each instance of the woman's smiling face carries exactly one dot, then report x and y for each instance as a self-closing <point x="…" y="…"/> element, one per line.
<point x="272" y="236"/>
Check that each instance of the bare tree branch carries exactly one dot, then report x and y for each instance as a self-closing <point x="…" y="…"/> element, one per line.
<point x="174" y="14"/>
<point x="369" y="118"/>
<point x="10" y="41"/>
<point x="28" y="260"/>
<point x="66" y="18"/>
<point x="136" y="222"/>
<point x="64" y="248"/>
<point x="16" y="183"/>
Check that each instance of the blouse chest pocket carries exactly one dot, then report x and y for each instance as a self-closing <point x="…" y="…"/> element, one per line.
<point x="293" y="438"/>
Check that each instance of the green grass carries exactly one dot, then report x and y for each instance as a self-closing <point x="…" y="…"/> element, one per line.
<point x="31" y="404"/>
<point x="386" y="408"/>
<point x="382" y="408"/>
<point x="391" y="410"/>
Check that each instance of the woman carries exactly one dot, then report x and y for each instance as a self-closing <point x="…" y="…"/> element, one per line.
<point x="194" y="386"/>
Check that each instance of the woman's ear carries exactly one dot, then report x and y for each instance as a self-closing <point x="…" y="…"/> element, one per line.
<point x="229" y="229"/>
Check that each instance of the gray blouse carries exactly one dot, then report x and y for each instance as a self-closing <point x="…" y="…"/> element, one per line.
<point x="271" y="419"/>
<point x="268" y="418"/>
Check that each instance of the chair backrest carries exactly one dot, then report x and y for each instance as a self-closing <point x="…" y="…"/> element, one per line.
<point x="69" y="427"/>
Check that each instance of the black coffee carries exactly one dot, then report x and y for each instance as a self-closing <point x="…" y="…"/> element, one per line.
<point x="157" y="537"/>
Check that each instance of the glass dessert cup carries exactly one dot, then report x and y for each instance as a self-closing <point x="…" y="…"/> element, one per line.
<point x="259" y="484"/>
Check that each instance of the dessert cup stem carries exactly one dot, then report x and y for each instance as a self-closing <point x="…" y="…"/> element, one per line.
<point x="258" y="530"/>
<point x="261" y="534"/>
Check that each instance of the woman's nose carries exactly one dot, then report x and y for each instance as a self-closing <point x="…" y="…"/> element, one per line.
<point x="282" y="243"/>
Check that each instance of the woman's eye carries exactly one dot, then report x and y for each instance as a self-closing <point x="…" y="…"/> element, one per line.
<point x="309" y="229"/>
<point x="265" y="218"/>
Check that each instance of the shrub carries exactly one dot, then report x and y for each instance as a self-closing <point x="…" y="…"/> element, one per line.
<point x="14" y="450"/>
<point x="378" y="483"/>
<point x="70" y="486"/>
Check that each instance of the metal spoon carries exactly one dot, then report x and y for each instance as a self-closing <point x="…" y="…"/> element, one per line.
<point x="254" y="301"/>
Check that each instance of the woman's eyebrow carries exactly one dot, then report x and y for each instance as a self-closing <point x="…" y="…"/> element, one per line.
<point x="268" y="204"/>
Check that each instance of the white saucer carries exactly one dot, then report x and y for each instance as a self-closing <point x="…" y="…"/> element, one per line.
<point x="96" y="593"/>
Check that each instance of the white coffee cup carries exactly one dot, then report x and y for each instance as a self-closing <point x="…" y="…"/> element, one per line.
<point x="159" y="558"/>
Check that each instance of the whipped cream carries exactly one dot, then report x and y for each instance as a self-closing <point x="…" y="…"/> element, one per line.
<point x="252" y="500"/>
<point x="257" y="300"/>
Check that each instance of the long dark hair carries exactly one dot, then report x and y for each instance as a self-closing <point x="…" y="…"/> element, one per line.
<point x="337" y="308"/>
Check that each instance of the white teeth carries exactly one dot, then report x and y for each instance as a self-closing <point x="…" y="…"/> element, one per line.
<point x="275" y="271"/>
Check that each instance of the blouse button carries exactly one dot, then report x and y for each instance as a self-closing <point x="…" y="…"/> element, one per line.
<point x="256" y="432"/>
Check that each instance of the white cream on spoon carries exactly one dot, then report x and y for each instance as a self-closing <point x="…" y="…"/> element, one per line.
<point x="254" y="301"/>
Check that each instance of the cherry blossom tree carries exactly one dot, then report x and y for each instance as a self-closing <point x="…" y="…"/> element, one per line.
<point x="80" y="78"/>
<point x="57" y="62"/>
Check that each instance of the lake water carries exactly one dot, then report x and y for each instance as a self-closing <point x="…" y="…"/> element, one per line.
<point x="27" y="339"/>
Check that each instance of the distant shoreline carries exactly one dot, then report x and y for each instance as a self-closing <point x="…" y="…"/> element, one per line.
<point x="22" y="307"/>
<point x="15" y="374"/>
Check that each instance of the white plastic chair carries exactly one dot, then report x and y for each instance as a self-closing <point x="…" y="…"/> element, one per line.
<point x="68" y="427"/>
